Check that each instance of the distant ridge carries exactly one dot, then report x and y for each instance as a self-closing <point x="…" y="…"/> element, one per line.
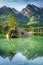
<point x="31" y="15"/>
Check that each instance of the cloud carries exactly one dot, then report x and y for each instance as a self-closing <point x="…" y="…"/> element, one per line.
<point x="20" y="4"/>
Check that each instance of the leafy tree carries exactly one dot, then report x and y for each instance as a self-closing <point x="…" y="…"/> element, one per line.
<point x="34" y="20"/>
<point x="11" y="21"/>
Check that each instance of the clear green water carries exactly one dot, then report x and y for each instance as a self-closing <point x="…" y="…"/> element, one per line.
<point x="21" y="51"/>
<point x="30" y="47"/>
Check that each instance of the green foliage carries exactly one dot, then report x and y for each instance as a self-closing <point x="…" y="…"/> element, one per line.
<point x="7" y="21"/>
<point x="11" y="20"/>
<point x="34" y="20"/>
<point x="1" y="28"/>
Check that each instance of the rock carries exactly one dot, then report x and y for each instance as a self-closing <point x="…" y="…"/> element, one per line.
<point x="17" y="33"/>
<point x="7" y="36"/>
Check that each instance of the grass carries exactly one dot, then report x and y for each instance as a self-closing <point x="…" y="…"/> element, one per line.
<point x="2" y="36"/>
<point x="30" y="47"/>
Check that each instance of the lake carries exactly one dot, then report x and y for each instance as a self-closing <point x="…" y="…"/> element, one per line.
<point x="19" y="59"/>
<point x="21" y="51"/>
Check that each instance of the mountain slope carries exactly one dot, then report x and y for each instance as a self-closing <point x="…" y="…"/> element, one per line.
<point x="21" y="19"/>
<point x="35" y="15"/>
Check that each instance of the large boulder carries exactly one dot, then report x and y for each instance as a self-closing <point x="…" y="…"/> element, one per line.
<point x="17" y="33"/>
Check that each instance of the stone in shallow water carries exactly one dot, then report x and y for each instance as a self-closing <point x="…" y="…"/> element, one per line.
<point x="17" y="33"/>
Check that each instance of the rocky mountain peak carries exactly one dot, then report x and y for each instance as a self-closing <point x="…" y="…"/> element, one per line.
<point x="15" y="11"/>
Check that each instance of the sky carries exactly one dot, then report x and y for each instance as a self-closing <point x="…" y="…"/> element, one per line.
<point x="20" y="4"/>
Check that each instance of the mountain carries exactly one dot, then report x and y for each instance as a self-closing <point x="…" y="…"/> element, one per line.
<point x="35" y="15"/>
<point x="21" y="19"/>
<point x="31" y="15"/>
<point x="30" y="8"/>
<point x="15" y="11"/>
<point x="5" y="10"/>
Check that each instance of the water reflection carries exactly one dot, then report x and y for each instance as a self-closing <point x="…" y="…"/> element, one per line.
<point x="19" y="59"/>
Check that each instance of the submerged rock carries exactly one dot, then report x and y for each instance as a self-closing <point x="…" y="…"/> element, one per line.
<point x="17" y="33"/>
